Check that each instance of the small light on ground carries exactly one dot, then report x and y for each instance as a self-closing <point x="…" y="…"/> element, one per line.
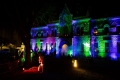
<point x="75" y="63"/>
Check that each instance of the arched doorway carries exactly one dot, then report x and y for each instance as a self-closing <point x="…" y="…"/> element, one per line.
<point x="106" y="29"/>
<point x="64" y="49"/>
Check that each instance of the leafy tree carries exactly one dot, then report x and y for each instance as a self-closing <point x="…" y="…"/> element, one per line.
<point x="25" y="15"/>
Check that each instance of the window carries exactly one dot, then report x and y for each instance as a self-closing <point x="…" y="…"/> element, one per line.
<point x="52" y="32"/>
<point x="107" y="47"/>
<point x="41" y="34"/>
<point x="55" y="32"/>
<point x="107" y="38"/>
<point x="82" y="31"/>
<point x="38" y="34"/>
<point x="118" y="47"/>
<point x="82" y="47"/>
<point x="78" y="31"/>
<point x="106" y="30"/>
<point x="96" y="47"/>
<point x="118" y="29"/>
<point x="47" y="34"/>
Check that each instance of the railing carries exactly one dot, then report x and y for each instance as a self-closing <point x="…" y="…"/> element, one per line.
<point x="10" y="66"/>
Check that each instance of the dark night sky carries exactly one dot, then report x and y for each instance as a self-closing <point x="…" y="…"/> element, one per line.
<point x="8" y="9"/>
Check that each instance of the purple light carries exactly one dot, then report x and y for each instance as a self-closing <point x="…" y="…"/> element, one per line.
<point x="57" y="46"/>
<point x="114" y="18"/>
<point x="33" y="43"/>
<point x="74" y="21"/>
<point x="114" y="41"/>
<point x="76" y="45"/>
<point x="113" y="46"/>
<point x="37" y="28"/>
<point x="113" y="29"/>
<point x="92" y="42"/>
<point x="113" y="56"/>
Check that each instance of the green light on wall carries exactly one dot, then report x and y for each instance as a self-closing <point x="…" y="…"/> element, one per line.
<point x="87" y="49"/>
<point x="69" y="53"/>
<point x="101" y="46"/>
<point x="38" y="43"/>
<point x="86" y="43"/>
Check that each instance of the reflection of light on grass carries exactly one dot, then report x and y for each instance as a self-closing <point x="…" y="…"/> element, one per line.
<point x="75" y="63"/>
<point x="113" y="56"/>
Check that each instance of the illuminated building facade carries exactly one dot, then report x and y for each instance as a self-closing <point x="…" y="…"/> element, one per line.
<point x="82" y="37"/>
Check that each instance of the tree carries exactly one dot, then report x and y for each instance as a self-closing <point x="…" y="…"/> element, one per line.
<point x="45" y="15"/>
<point x="24" y="16"/>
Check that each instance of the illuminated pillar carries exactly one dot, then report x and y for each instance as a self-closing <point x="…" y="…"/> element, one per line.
<point x="33" y="42"/>
<point x="57" y="47"/>
<point x="113" y="47"/>
<point x="76" y="45"/>
<point x="38" y="43"/>
<point x="92" y="48"/>
<point x="86" y="42"/>
<point x="46" y="47"/>
<point x="113" y="43"/>
<point x="101" y="46"/>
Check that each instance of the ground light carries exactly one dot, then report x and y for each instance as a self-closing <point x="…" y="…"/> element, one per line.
<point x="75" y="63"/>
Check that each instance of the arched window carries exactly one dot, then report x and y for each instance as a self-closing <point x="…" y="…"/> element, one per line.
<point x="38" y="34"/>
<point x="65" y="31"/>
<point x="106" y="30"/>
<point x="52" y="32"/>
<point x="41" y="34"/>
<point x="118" y="29"/>
<point x="78" y="31"/>
<point x="47" y="34"/>
<point x="107" y="47"/>
<point x="95" y="47"/>
<point x="82" y="31"/>
<point x="55" y="32"/>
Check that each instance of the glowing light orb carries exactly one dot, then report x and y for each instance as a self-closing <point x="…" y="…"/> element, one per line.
<point x="75" y="63"/>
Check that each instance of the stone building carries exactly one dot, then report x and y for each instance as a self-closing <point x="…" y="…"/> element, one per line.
<point x="82" y="37"/>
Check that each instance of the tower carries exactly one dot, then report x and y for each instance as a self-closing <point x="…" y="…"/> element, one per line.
<point x="65" y="21"/>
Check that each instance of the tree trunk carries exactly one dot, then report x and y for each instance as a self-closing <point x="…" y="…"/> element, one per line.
<point x="27" y="55"/>
<point x="1" y="47"/>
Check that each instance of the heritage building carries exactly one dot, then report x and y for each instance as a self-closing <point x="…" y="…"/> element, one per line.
<point x="83" y="37"/>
